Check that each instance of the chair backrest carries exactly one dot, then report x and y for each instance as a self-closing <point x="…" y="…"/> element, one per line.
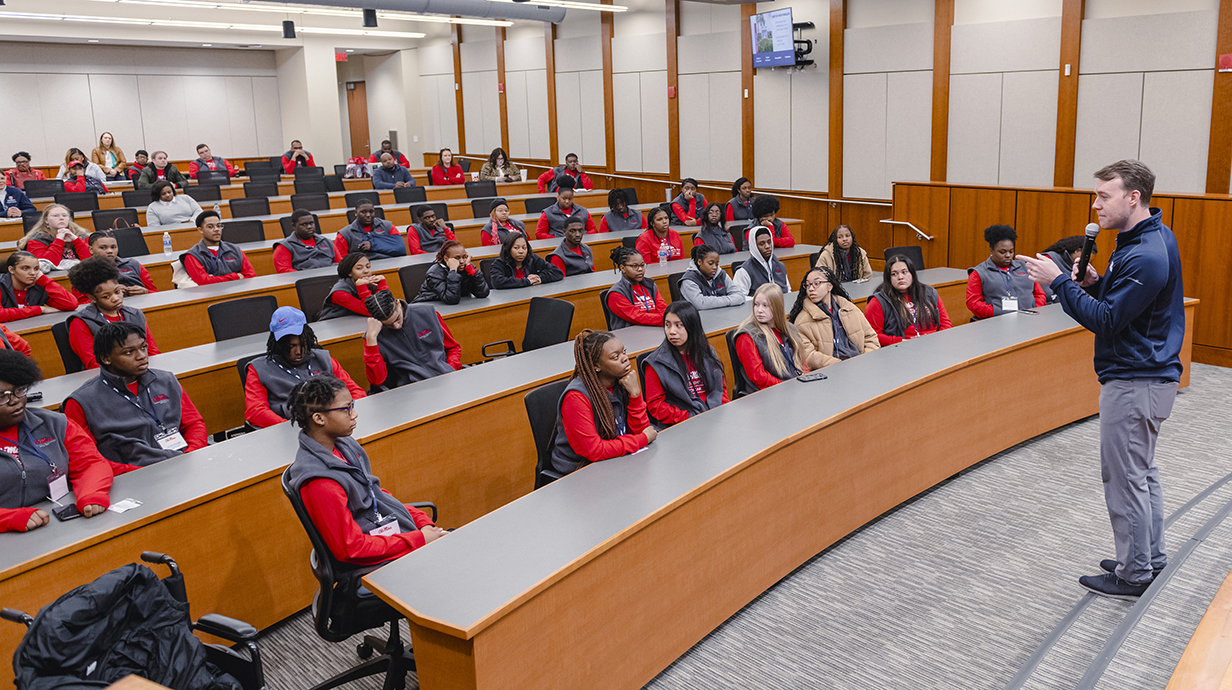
<point x="265" y="174"/>
<point x="548" y="322"/>
<point x="310" y="185"/>
<point x="260" y="190"/>
<point x="481" y="208"/>
<point x="353" y="198"/>
<point x="631" y="195"/>
<point x="244" y="208"/>
<point x="412" y="278"/>
<point x="250" y="166"/>
<point x="380" y="213"/>
<point x="607" y="311"/>
<point x="219" y="177"/>
<point x="542" y="410"/>
<point x="740" y="379"/>
<point x="276" y="163"/>
<point x="813" y="259"/>
<point x="130" y="242"/>
<point x="340" y="169"/>
<point x="410" y="195"/>
<point x="481" y="188"/>
<point x="287" y="228"/>
<point x="312" y="293"/>
<point x="78" y="201"/>
<point x="72" y="363"/>
<point x="441" y="208"/>
<point x="132" y="174"/>
<point x="324" y="567"/>
<point x="240" y="317"/>
<point x="42" y="189"/>
<point x="204" y="192"/>
<point x="536" y="204"/>
<point x="913" y="253"/>
<point x="485" y="266"/>
<point x="241" y="365"/>
<point x="629" y="242"/>
<point x="464" y="164"/>
<point x="114" y="218"/>
<point x="673" y="285"/>
<point x="134" y="198"/>
<point x="309" y="172"/>
<point x="334" y="183"/>
<point x="243" y="231"/>
<point x="318" y="201"/>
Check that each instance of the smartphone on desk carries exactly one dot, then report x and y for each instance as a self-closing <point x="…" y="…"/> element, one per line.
<point x="66" y="512"/>
<point x="812" y="376"/>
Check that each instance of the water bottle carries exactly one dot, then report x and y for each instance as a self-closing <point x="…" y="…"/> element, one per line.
<point x="663" y="252"/>
<point x="167" y="243"/>
<point x="218" y="209"/>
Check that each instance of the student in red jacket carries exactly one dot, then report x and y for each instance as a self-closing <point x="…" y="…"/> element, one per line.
<point x="740" y="206"/>
<point x="446" y="171"/>
<point x="133" y="276"/>
<point x="78" y="181"/>
<point x="213" y="261"/>
<point x="633" y="300"/>
<point x="550" y="180"/>
<point x="903" y="307"/>
<point x="26" y="291"/>
<point x="99" y="281"/>
<point x="297" y="157"/>
<point x="356" y="283"/>
<point x="688" y="204"/>
<point x="405" y="343"/>
<point x="766" y="209"/>
<point x="684" y="375"/>
<point x="553" y="219"/>
<point x="43" y="454"/>
<point x="1001" y="284"/>
<point x="55" y="237"/>
<point x="361" y="523"/>
<point x="388" y="147"/>
<point x="767" y="344"/>
<point x="305" y="248"/>
<point x="572" y="256"/>
<point x="658" y="234"/>
<point x="11" y="341"/>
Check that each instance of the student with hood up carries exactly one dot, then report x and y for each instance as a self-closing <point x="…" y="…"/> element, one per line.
<point x="762" y="265"/>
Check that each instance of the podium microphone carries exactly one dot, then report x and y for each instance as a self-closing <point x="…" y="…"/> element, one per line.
<point x="1088" y="247"/>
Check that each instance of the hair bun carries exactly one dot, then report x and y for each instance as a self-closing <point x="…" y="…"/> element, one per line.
<point x="381" y="305"/>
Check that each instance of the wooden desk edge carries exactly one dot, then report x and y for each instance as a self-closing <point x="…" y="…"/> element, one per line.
<point x="1205" y="663"/>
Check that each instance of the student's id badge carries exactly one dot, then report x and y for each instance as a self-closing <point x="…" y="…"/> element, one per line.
<point x="171" y="441"/>
<point x="1009" y="304"/>
<point x="57" y="485"/>
<point x="388" y="526"/>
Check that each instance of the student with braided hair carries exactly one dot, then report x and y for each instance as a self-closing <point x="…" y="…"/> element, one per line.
<point x="452" y="275"/>
<point x="602" y="412"/>
<point x="633" y="300"/>
<point x="405" y="343"/>
<point x="768" y="345"/>
<point x="684" y="376"/>
<point x="713" y="231"/>
<point x="356" y="283"/>
<point x="361" y="523"/>
<point x="1001" y="285"/>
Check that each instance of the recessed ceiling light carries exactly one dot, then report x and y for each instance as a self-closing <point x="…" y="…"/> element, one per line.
<point x="92" y="40"/>
<point x="350" y="51"/>
<point x="207" y="45"/>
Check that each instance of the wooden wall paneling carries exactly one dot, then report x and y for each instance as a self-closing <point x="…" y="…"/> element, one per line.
<point x="1043" y="217"/>
<point x="456" y="35"/>
<point x="747" y="139"/>
<point x="549" y="56"/>
<point x="1219" y="155"/>
<point x="971" y="211"/>
<point x="815" y="213"/>
<point x="838" y="23"/>
<point x="928" y="207"/>
<point x="1072" y="12"/>
<point x="865" y="223"/>
<point x="504" y="88"/>
<point x="1107" y="239"/>
<point x="673" y="89"/>
<point x="607" y="25"/>
<point x="1203" y="228"/>
<point x="943" y="22"/>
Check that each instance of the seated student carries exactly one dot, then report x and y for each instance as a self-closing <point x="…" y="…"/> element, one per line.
<point x="388" y="147"/>
<point x="306" y="247"/>
<point x="356" y="283"/>
<point x="550" y="180"/>
<point x="429" y="234"/>
<point x="619" y="216"/>
<point x="519" y="267"/>
<point x="26" y="291"/>
<point x="740" y="206"/>
<point x="762" y="266"/>
<point x="168" y="208"/>
<point x="446" y="171"/>
<point x="572" y="256"/>
<point x="13" y="201"/>
<point x="405" y="343"/>
<point x="206" y="160"/>
<point x="291" y="355"/>
<point x="452" y="275"/>
<point x="297" y="157"/>
<point x="136" y="415"/>
<point x="552" y="220"/>
<point x="845" y="257"/>
<point x="713" y="233"/>
<point x="499" y="168"/>
<point x="903" y="307"/>
<point x="826" y="340"/>
<point x="77" y="180"/>
<point x="99" y="280"/>
<point x="684" y="376"/>
<point x="77" y="155"/>
<point x="769" y="346"/>
<point x="500" y="226"/>
<point x="602" y="414"/>
<point x="211" y="260"/>
<point x="33" y="441"/>
<point x="689" y="203"/>
<point x="18" y="176"/>
<point x="375" y="238"/>
<point x="766" y="209"/>
<point x="1064" y="253"/>
<point x="360" y="523"/>
<point x="390" y="175"/>
<point x="1001" y="284"/>
<point x="633" y="300"/>
<point x="159" y="169"/>
<point x="140" y="160"/>
<point x="659" y="233"/>
<point x="705" y="284"/>
<point x="55" y="237"/>
<point x="133" y="277"/>
<point x="11" y="341"/>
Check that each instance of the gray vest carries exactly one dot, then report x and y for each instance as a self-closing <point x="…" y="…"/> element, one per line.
<point x="564" y="459"/>
<point x="616" y="222"/>
<point x="758" y="276"/>
<point x="892" y="325"/>
<point x="278" y="379"/>
<point x="673" y="376"/>
<point x="503" y="233"/>
<point x="741" y="210"/>
<point x="381" y="238"/>
<point x="95" y="320"/>
<point x="430" y="239"/>
<point x="130" y="272"/>
<point x="203" y="165"/>
<point x="304" y="257"/>
<point x="417" y="350"/>
<point x="694" y="207"/>
<point x="229" y="260"/>
<point x="715" y="287"/>
<point x="575" y="264"/>
<point x="557" y="172"/>
<point x="557" y="217"/>
<point x="24" y="483"/>
<point x="4" y="341"/>
<point x="122" y="432"/>
<point x="717" y="239"/>
<point x="624" y="287"/>
<point x="36" y="296"/>
<point x="329" y="310"/>
<point x="763" y="350"/>
<point x="1000" y="284"/>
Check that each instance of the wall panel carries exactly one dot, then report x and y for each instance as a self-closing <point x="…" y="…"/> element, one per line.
<point x="695" y="139"/>
<point x="772" y="154"/>
<point x="654" y="121"/>
<point x="268" y="114"/>
<point x="864" y="135"/>
<point x="810" y="129"/>
<point x="1105" y="134"/>
<point x="725" y="131"/>
<point x="1149" y="43"/>
<point x="1031" y="44"/>
<point x="639" y="53"/>
<point x="241" y="115"/>
<point x="161" y="95"/>
<point x="63" y="125"/>
<point x="594" y="139"/>
<point x="974" y="151"/>
<point x="21" y="129"/>
<point x="1176" y="128"/>
<point x="113" y="98"/>
<point x="1028" y="128"/>
<point x="627" y="121"/>
<point x="519" y="119"/>
<point x="569" y="113"/>
<point x="537" y="113"/>
<point x="909" y="115"/>
<point x="895" y="48"/>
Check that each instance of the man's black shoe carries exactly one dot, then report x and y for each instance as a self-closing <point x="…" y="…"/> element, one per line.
<point x="1110" y="585"/>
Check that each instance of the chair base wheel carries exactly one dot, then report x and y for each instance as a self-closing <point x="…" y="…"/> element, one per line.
<point x="364" y="650"/>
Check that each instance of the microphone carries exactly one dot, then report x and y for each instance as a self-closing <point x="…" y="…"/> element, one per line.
<point x="1088" y="247"/>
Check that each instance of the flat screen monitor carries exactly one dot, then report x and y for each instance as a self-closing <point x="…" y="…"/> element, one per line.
<point x="773" y="42"/>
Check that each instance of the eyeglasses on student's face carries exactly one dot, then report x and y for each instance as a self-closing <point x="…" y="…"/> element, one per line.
<point x="12" y="397"/>
<point x="350" y="408"/>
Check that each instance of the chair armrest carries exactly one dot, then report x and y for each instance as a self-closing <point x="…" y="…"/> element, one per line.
<point x="17" y="617"/>
<point x="226" y="628"/>
<point x="510" y="349"/>
<point x="427" y="507"/>
<point x="551" y="474"/>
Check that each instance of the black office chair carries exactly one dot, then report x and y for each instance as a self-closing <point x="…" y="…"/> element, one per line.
<point x="481" y="188"/>
<point x="740" y="379"/>
<point x="410" y="195"/>
<point x="914" y="254"/>
<point x="134" y="198"/>
<point x="302" y="172"/>
<point x="218" y="177"/>
<point x="631" y="195"/>
<point x="813" y="259"/>
<point x="243" y="231"/>
<point x="412" y="278"/>
<point x="441" y="208"/>
<point x="312" y="202"/>
<point x="342" y="607"/>
<point x="465" y="165"/>
<point x="353" y="198"/>
<point x="629" y="242"/>
<point x="607" y="311"/>
<point x="130" y="242"/>
<point x="28" y="220"/>
<point x="542" y="409"/>
<point x="115" y="654"/>
<point x="312" y="293"/>
<point x="44" y="189"/>
<point x="380" y="213"/>
<point x="246" y="208"/>
<point x="310" y="185"/>
<point x="276" y="163"/>
<point x="132" y="174"/>
<point x="340" y="169"/>
<point x="640" y="363"/>
<point x="72" y="363"/>
<point x="260" y="190"/>
<point x="673" y="285"/>
<point x="114" y="218"/>
<point x="265" y="175"/>
<point x="481" y="208"/>
<point x="334" y="183"/>
<point x="287" y="228"/>
<point x="204" y="193"/>
<point x="738" y="235"/>
<point x="78" y="201"/>
<point x="548" y="322"/>
<point x="257" y="166"/>
<point x="240" y="317"/>
<point x="536" y="204"/>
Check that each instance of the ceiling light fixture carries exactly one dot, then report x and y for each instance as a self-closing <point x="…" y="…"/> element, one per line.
<point x="288" y="27"/>
<point x="313" y="11"/>
<point x="574" y="5"/>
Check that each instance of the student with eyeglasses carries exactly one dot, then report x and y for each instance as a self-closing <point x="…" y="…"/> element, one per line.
<point x="832" y="329"/>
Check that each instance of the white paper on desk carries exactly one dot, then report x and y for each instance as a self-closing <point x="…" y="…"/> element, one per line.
<point x="125" y="505"/>
<point x="639" y="450"/>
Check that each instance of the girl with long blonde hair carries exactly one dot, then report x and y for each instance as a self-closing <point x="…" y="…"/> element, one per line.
<point x="767" y="344"/>
<point x="56" y="237"/>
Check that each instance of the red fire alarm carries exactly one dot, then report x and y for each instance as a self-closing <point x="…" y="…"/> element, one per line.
<point x="1225" y="62"/>
<point x="340" y="57"/>
<point x="671" y="92"/>
<point x="500" y="88"/>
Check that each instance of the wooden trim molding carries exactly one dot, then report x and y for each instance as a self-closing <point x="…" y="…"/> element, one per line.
<point x="1072" y="12"/>
<point x="838" y="24"/>
<point x="549" y="58"/>
<point x="748" y="138"/>
<point x="673" y="89"/>
<point x="502" y="88"/>
<point x="1219" y="156"/>
<point x="607" y="25"/>
<point x="456" y="36"/>
<point x="943" y="23"/>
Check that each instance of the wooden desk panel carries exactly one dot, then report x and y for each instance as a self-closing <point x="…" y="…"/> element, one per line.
<point x="1207" y="661"/>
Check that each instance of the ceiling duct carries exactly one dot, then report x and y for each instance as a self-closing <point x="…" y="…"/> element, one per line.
<point x="481" y="9"/>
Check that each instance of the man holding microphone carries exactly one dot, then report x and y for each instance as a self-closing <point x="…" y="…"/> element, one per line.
<point x="1136" y="311"/>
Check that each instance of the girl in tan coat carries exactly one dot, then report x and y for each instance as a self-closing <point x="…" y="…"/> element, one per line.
<point x="844" y="256"/>
<point x="826" y="341"/>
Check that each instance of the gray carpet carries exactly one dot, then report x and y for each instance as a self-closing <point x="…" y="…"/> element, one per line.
<point x="957" y="588"/>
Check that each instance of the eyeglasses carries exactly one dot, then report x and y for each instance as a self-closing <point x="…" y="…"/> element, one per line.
<point x="10" y="398"/>
<point x="350" y="408"/>
<point x="816" y="284"/>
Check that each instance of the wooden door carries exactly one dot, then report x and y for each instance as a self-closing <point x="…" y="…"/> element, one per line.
<point x="357" y="111"/>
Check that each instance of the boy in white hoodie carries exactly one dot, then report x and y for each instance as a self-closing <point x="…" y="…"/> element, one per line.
<point x="762" y="267"/>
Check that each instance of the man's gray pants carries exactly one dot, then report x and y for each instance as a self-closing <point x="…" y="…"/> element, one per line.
<point x="1130" y="414"/>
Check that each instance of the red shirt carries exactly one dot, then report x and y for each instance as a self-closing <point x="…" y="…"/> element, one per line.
<point x="647" y="312"/>
<point x="692" y="211"/>
<point x="54" y="251"/>
<point x="16" y="341"/>
<point x="88" y="472"/>
<point x="18" y="178"/>
<point x="453" y="175"/>
<point x="82" y="340"/>
<point x="199" y="275"/>
<point x="648" y="244"/>
<point x="656" y="398"/>
<point x="57" y="298"/>
<point x="374" y="363"/>
<point x="577" y="417"/>
<point x="257" y="411"/>
<point x="876" y="319"/>
<point x="581" y="179"/>
<point x="984" y="310"/>
<point x="326" y="503"/>
<point x="211" y="165"/>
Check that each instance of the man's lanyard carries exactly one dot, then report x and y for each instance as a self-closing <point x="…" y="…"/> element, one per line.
<point x="133" y="400"/>
<point x="24" y="431"/>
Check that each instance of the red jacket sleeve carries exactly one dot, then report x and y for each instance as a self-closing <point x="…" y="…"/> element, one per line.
<point x="54" y="252"/>
<point x="282" y="259"/>
<point x="681" y="214"/>
<point x="15" y="519"/>
<point x="750" y="359"/>
<point x="246" y="267"/>
<point x="787" y="239"/>
<point x="558" y="263"/>
<point x="356" y="304"/>
<point x="1040" y="298"/>
<point x="287" y="166"/>
<point x="623" y="308"/>
<point x="646" y="245"/>
<point x="192" y="169"/>
<point x="257" y="411"/>
<point x="57" y="296"/>
<point x="82" y="341"/>
<point x="89" y="472"/>
<point x="579" y="423"/>
<point x="19" y="343"/>
<point x="341" y="374"/>
<point x="412" y="242"/>
<point x="341" y="248"/>
<point x="543" y="231"/>
<point x="453" y="351"/>
<point x="374" y="365"/>
<point x="585" y="180"/>
<point x="603" y="224"/>
<point x="945" y="318"/>
<point x="975" y="297"/>
<point x="231" y="169"/>
<point x="8" y="314"/>
<point x="192" y="424"/>
<point x="656" y="401"/>
<point x="193" y="267"/>
<point x="872" y="312"/>
<point x="325" y="501"/>
<point x="590" y="225"/>
<point x="149" y="341"/>
<point x="147" y="280"/>
<point x="730" y="213"/>
<point x="544" y="179"/>
<point x="456" y="176"/>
